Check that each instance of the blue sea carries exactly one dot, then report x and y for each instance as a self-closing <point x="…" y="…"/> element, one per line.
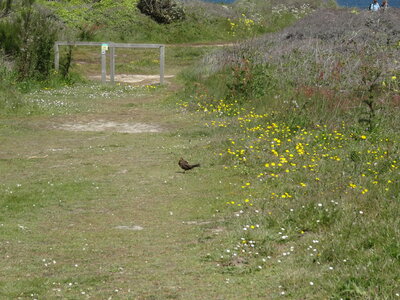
<point x="365" y="3"/>
<point x="347" y="3"/>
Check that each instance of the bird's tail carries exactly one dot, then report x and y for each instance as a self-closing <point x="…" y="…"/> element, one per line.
<point x="195" y="165"/>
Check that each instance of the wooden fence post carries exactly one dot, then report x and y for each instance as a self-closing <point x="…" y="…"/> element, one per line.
<point x="112" y="63"/>
<point x="56" y="57"/>
<point x="162" y="60"/>
<point x="104" y="48"/>
<point x="103" y="65"/>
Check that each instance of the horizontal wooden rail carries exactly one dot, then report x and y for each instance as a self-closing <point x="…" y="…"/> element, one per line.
<point x="110" y="44"/>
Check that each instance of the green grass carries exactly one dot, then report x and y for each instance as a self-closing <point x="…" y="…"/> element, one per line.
<point x="65" y="193"/>
<point x="317" y="203"/>
<point x="292" y="200"/>
<point x="319" y="169"/>
<point x="121" y="21"/>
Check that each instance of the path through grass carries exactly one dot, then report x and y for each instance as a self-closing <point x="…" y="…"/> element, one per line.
<point x="70" y="201"/>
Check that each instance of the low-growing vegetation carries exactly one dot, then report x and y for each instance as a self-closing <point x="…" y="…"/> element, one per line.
<point x="310" y="117"/>
<point x="28" y="30"/>
<point x="295" y="126"/>
<point x="164" y="21"/>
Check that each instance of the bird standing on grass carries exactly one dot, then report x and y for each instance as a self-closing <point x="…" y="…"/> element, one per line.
<point x="185" y="165"/>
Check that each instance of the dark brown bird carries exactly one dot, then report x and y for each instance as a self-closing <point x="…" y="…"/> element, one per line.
<point x="185" y="165"/>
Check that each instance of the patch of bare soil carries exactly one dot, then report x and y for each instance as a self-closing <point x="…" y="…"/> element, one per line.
<point x="196" y="222"/>
<point x="133" y="78"/>
<point x="101" y="125"/>
<point x="134" y="227"/>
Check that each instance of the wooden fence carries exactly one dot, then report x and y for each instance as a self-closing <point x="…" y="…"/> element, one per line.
<point x="110" y="46"/>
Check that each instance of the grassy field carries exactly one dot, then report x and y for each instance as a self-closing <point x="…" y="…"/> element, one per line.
<point x="296" y="197"/>
<point x="100" y="214"/>
<point x="64" y="194"/>
<point x="71" y="200"/>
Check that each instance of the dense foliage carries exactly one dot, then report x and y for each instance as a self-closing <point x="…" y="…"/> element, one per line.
<point x="162" y="11"/>
<point x="27" y="36"/>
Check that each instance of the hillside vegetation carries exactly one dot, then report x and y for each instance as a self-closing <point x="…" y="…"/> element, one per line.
<point x="296" y="127"/>
<point x="310" y="117"/>
<point x="203" y="22"/>
<point x="28" y="30"/>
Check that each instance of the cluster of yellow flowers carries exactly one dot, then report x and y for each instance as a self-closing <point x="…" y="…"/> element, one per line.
<point x="243" y="25"/>
<point x="392" y="83"/>
<point x="220" y="108"/>
<point x="304" y="160"/>
<point x="296" y="179"/>
<point x="297" y="150"/>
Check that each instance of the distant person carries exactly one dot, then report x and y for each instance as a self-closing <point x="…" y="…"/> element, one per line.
<point x="374" y="6"/>
<point x="384" y="5"/>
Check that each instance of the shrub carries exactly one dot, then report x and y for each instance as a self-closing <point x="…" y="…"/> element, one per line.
<point x="9" y="38"/>
<point x="162" y="11"/>
<point x="38" y="34"/>
<point x="27" y="36"/>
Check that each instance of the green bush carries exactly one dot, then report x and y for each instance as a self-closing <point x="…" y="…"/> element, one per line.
<point x="27" y="35"/>
<point x="162" y="11"/>
<point x="38" y="35"/>
<point x="9" y="38"/>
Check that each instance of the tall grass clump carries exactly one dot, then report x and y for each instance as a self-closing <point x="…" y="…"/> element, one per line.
<point x="309" y="121"/>
<point x="9" y="97"/>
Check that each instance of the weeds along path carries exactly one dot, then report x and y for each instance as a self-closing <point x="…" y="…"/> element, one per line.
<point x="107" y="214"/>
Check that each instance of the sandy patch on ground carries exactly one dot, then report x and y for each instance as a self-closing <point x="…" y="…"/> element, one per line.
<point x="134" y="227"/>
<point x="110" y="126"/>
<point x="150" y="79"/>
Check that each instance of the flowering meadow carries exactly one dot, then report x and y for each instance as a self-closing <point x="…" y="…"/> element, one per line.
<point x="297" y="134"/>
<point x="308" y="126"/>
<point x="321" y="200"/>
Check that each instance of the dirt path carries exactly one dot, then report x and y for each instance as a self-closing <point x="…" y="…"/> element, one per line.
<point x="105" y="212"/>
<point x="134" y="78"/>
